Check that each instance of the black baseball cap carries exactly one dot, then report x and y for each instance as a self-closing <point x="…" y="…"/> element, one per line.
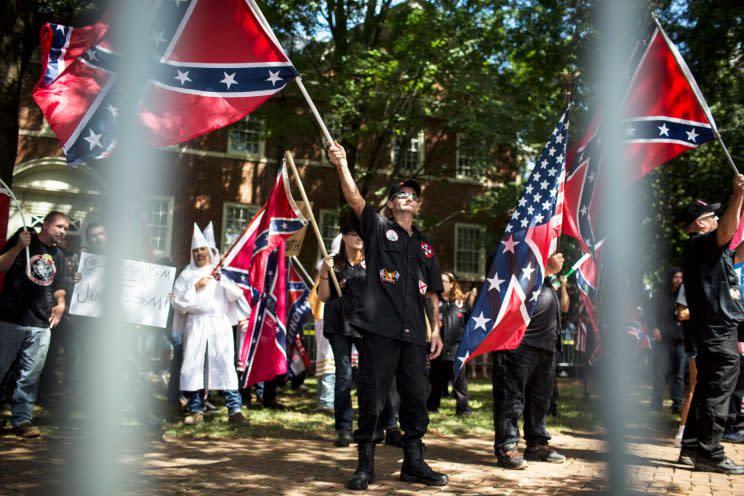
<point x="695" y="209"/>
<point x="411" y="183"/>
<point x="349" y="228"/>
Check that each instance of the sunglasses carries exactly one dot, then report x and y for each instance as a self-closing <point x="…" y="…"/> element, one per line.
<point x="406" y="194"/>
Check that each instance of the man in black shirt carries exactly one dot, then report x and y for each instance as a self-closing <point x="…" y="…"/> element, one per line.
<point x="31" y="304"/>
<point x="402" y="270"/>
<point x="523" y="379"/>
<point x="716" y="310"/>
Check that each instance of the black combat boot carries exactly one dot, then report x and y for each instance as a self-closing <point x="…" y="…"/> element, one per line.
<point x="415" y="469"/>
<point x="365" y="471"/>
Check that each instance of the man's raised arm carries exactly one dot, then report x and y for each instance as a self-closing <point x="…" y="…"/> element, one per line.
<point x="730" y="219"/>
<point x="337" y="156"/>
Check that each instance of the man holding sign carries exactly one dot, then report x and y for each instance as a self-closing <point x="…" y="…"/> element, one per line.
<point x="31" y="304"/>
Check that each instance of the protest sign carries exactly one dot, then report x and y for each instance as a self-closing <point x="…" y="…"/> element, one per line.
<point x="145" y="290"/>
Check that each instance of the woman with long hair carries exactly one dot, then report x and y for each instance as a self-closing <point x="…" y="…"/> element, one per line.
<point x="454" y="311"/>
<point x="350" y="270"/>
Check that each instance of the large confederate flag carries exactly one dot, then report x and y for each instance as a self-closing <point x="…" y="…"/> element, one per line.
<point x="213" y="63"/>
<point x="666" y="115"/>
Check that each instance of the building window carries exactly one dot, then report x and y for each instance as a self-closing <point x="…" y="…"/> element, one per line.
<point x="158" y="214"/>
<point x="408" y="152"/>
<point x="470" y="254"/>
<point x="246" y="137"/>
<point x="470" y="158"/>
<point x="328" y="225"/>
<point x="235" y="216"/>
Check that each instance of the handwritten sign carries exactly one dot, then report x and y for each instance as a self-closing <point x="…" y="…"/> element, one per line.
<point x="144" y="290"/>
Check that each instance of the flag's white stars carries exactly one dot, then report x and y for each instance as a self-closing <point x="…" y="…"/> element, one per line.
<point x="158" y="38"/>
<point x="114" y="111"/>
<point x="584" y="210"/>
<point x="559" y="138"/>
<point x="481" y="321"/>
<point x="552" y="151"/>
<point x="529" y="189"/>
<point x="630" y="131"/>
<point x="535" y="295"/>
<point x="663" y="129"/>
<point x="525" y="222"/>
<point x="93" y="139"/>
<point x="92" y="55"/>
<point x="494" y="282"/>
<point x="273" y="77"/>
<point x="509" y="244"/>
<point x="522" y="202"/>
<point x="691" y="135"/>
<point x="552" y="171"/>
<point x="229" y="79"/>
<point x="182" y="76"/>
<point x="527" y="271"/>
<point x="544" y="185"/>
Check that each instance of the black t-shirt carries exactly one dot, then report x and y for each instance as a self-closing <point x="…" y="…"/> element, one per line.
<point x="338" y="311"/>
<point x="711" y="284"/>
<point x="401" y="269"/>
<point x="29" y="301"/>
<point x="544" y="327"/>
<point x="453" y="315"/>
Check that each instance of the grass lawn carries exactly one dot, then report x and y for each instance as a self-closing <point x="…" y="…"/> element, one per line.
<point x="300" y="419"/>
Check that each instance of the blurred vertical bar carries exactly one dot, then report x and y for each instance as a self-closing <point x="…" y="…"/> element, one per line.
<point x="113" y="441"/>
<point x="618" y="31"/>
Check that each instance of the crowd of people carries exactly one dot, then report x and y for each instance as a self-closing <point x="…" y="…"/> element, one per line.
<point x="404" y="319"/>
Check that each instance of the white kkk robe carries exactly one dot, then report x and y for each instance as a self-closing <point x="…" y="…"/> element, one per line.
<point x="208" y="344"/>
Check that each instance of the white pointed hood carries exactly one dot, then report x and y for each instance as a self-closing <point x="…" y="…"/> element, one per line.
<point x="198" y="240"/>
<point x="209" y="235"/>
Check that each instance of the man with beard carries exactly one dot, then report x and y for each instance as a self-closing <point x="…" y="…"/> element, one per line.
<point x="31" y="304"/>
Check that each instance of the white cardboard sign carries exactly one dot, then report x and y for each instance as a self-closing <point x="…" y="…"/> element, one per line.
<point x="145" y="290"/>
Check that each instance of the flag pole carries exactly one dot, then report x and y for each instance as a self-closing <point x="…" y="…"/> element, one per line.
<point x="17" y="205"/>
<point x="695" y="89"/>
<point x="308" y="280"/>
<point x="312" y="218"/>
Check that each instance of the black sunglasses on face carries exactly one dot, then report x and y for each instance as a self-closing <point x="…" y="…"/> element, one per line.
<point x="405" y="194"/>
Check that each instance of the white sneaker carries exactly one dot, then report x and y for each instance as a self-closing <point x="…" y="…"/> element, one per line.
<point x="678" y="439"/>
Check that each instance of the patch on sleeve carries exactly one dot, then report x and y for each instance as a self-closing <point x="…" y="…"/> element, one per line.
<point x="389" y="276"/>
<point x="427" y="249"/>
<point x="422" y="287"/>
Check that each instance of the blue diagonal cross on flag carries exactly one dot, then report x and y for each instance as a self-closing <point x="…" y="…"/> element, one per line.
<point x="508" y="297"/>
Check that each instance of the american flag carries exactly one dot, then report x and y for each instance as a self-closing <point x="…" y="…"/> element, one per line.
<point x="508" y="297"/>
<point x="212" y="64"/>
<point x="257" y="264"/>
<point x="666" y="114"/>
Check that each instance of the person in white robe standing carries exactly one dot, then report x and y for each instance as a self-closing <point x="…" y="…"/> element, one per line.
<point x="206" y="304"/>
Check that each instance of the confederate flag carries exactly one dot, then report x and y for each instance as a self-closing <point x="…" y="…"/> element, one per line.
<point x="213" y="63"/>
<point x="666" y="115"/>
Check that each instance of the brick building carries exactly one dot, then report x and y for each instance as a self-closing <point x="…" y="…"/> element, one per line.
<point x="226" y="175"/>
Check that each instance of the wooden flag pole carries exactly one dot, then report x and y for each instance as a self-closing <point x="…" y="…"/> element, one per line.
<point x="306" y="277"/>
<point x="698" y="95"/>
<point x="17" y="205"/>
<point x="332" y="273"/>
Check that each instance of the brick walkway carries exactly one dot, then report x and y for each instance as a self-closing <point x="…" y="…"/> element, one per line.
<point x="259" y="466"/>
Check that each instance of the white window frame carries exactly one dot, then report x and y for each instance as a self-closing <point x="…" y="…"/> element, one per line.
<point x="463" y="274"/>
<point x="420" y="150"/>
<point x="252" y="208"/>
<point x="323" y="215"/>
<point x="460" y="155"/>
<point x="261" y="139"/>
<point x="166" y="252"/>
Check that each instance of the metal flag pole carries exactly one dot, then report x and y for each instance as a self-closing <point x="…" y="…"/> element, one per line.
<point x="17" y="205"/>
<point x="312" y="218"/>
<point x="695" y="89"/>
